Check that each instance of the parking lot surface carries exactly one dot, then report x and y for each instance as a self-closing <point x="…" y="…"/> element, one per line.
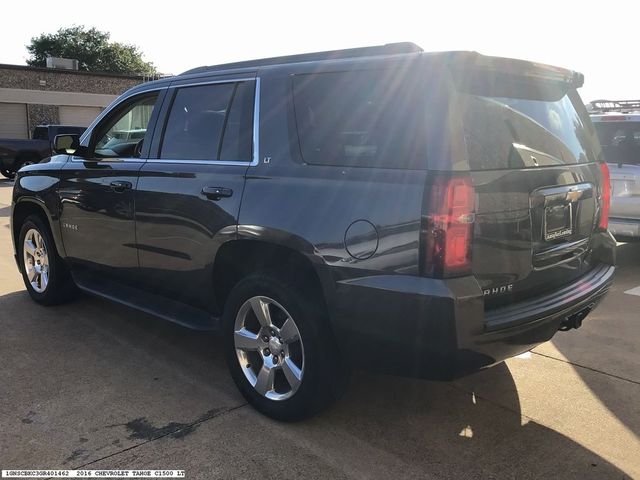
<point x="95" y="385"/>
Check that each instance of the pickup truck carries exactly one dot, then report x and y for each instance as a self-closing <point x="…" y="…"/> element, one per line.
<point x="16" y="153"/>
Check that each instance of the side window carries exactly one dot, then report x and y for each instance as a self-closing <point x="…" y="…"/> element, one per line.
<point x="238" y="133"/>
<point x="361" y="118"/>
<point x="121" y="134"/>
<point x="210" y="122"/>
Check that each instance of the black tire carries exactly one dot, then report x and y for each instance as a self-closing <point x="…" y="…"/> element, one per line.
<point x="8" y="174"/>
<point x="325" y="375"/>
<point x="60" y="287"/>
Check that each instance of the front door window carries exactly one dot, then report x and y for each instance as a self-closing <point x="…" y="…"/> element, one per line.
<point x="123" y="134"/>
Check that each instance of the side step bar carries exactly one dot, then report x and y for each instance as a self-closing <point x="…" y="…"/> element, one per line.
<point x="150" y="303"/>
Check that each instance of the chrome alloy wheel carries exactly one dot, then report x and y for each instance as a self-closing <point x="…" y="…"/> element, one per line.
<point x="36" y="260"/>
<point x="269" y="348"/>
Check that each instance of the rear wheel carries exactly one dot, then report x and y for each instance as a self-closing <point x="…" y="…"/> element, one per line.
<point x="279" y="348"/>
<point x="8" y="173"/>
<point x="44" y="273"/>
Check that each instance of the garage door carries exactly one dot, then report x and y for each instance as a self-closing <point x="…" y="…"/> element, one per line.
<point x="78" y="116"/>
<point x="13" y="120"/>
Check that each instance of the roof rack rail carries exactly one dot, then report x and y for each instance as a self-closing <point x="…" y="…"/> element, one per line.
<point x="620" y="106"/>
<point x="387" y="49"/>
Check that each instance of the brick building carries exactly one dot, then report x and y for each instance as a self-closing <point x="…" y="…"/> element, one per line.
<point x="31" y="96"/>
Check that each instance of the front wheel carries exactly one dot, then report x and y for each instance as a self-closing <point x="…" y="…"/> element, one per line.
<point x="279" y="348"/>
<point x="44" y="273"/>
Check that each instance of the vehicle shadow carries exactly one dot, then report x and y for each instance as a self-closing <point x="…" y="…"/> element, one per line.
<point x="383" y="426"/>
<point x="607" y="342"/>
<point x="451" y="433"/>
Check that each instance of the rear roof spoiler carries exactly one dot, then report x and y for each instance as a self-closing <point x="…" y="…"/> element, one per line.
<point x="469" y="61"/>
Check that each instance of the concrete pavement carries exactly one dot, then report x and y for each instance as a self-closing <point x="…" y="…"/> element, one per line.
<point x="96" y="385"/>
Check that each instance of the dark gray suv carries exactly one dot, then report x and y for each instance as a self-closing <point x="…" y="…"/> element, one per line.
<point x="407" y="212"/>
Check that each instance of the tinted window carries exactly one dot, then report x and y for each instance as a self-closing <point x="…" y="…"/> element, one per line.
<point x="519" y="132"/>
<point x="363" y="118"/>
<point x="121" y="132"/>
<point x="238" y="133"/>
<point x="40" y="133"/>
<point x="620" y="141"/>
<point x="196" y="122"/>
<point x="74" y="130"/>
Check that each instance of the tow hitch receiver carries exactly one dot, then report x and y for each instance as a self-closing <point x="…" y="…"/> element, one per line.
<point x="575" y="320"/>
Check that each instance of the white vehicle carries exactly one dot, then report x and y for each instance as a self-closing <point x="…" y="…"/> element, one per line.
<point x="618" y="126"/>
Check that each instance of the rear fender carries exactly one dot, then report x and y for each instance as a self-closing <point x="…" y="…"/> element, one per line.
<point x="294" y="242"/>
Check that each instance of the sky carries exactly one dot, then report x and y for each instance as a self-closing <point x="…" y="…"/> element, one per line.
<point x="179" y="35"/>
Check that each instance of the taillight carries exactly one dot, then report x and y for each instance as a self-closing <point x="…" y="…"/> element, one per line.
<point x="447" y="229"/>
<point x="605" y="195"/>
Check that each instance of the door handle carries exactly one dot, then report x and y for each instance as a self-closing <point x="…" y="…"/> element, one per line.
<point x="216" y="193"/>
<point x="120" y="185"/>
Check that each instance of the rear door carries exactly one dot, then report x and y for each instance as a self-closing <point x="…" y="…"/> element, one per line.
<point x="188" y="195"/>
<point x="533" y="156"/>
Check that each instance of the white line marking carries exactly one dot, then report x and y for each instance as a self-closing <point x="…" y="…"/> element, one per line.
<point x="634" y="291"/>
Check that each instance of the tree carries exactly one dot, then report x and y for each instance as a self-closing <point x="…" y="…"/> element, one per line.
<point x="92" y="49"/>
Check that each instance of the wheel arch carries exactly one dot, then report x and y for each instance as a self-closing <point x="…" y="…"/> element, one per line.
<point x="259" y="249"/>
<point x="27" y="206"/>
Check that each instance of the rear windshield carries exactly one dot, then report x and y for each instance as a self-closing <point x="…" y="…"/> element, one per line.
<point x="542" y="129"/>
<point x="620" y="141"/>
<point x="40" y="133"/>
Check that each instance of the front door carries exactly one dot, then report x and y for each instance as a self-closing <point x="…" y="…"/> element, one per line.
<point x="97" y="191"/>
<point x="189" y="192"/>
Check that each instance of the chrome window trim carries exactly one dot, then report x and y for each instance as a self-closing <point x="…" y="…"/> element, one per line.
<point x="212" y="82"/>
<point x="256" y="125"/>
<point x="107" y="160"/>
<point x="113" y="105"/>
<point x="203" y="162"/>
<point x="255" y="137"/>
<point x="256" y="128"/>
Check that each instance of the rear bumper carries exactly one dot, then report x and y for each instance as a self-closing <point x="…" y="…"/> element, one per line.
<point x="438" y="329"/>
<point x="625" y="227"/>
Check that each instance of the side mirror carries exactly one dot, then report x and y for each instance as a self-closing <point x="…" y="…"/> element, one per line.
<point x="68" y="144"/>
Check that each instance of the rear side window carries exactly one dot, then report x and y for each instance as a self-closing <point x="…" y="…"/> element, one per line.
<point x="361" y="118"/>
<point x="210" y="122"/>
<point x="40" y="133"/>
<point x="238" y="134"/>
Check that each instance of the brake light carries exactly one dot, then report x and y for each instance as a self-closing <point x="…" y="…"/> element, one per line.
<point x="447" y="230"/>
<point x="605" y="195"/>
